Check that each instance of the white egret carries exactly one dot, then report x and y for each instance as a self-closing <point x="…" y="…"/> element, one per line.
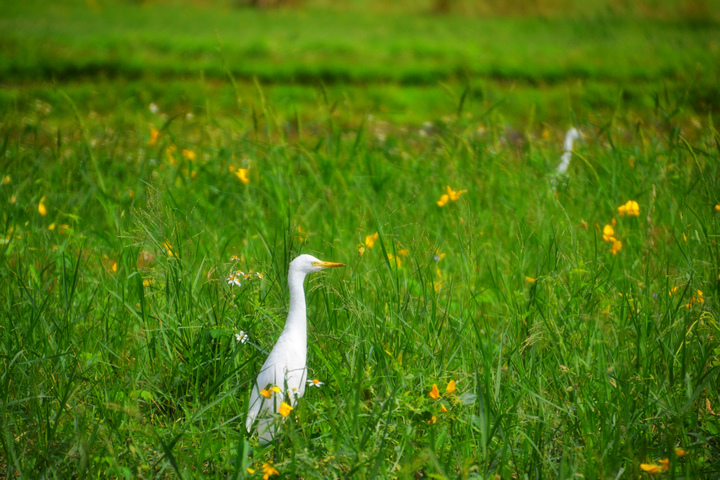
<point x="284" y="372"/>
<point x="570" y="136"/>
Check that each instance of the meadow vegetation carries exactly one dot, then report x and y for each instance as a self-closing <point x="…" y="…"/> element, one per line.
<point x="493" y="320"/>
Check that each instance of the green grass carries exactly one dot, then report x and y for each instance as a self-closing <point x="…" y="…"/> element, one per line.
<point x="66" y="40"/>
<point x="402" y="66"/>
<point x="395" y="107"/>
<point x="592" y="370"/>
<point x="117" y="325"/>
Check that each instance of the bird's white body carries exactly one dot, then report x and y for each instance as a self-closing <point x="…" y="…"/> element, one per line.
<point x="570" y="137"/>
<point x="286" y="366"/>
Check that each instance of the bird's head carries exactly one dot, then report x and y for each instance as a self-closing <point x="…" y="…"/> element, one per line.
<point x="572" y="135"/>
<point x="309" y="264"/>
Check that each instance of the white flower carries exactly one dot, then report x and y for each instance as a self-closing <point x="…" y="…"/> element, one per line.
<point x="259" y="275"/>
<point x="241" y="337"/>
<point x="315" y="383"/>
<point x="153" y="107"/>
<point x="233" y="280"/>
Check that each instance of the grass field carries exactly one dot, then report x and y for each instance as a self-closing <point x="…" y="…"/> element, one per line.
<point x="130" y="194"/>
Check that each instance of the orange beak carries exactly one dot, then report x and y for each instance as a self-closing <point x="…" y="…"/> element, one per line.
<point x="328" y="264"/>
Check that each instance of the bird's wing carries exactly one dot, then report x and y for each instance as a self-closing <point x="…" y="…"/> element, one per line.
<point x="295" y="380"/>
<point x="271" y="373"/>
<point x="285" y="368"/>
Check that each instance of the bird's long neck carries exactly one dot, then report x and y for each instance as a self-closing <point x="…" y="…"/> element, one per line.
<point x="297" y="314"/>
<point x="567" y="146"/>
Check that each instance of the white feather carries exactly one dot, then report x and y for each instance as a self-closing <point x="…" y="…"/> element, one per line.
<point x="570" y="136"/>
<point x="286" y="366"/>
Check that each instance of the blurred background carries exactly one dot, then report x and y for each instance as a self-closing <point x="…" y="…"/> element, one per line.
<point x="405" y="61"/>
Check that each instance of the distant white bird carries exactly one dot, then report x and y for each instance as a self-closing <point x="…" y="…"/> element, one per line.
<point x="282" y="376"/>
<point x="570" y="136"/>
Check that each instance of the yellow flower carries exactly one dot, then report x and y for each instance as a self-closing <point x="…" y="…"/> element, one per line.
<point x="154" y="135"/>
<point x="438" y="284"/>
<point x="114" y="267"/>
<point x="268" y="469"/>
<point x="13" y="200"/>
<point x="651" y="468"/>
<point x="370" y="239"/>
<point x="168" y="247"/>
<point x="450" y="386"/>
<point x="530" y="280"/>
<point x="171" y="158"/>
<point x="608" y="232"/>
<point x="51" y="226"/>
<point x="696" y="299"/>
<point x="432" y="420"/>
<point x="442" y="408"/>
<point x="395" y="259"/>
<point x="673" y="290"/>
<point x="443" y="200"/>
<point x="434" y="393"/>
<point x="6" y="180"/>
<point x="617" y="245"/>
<point x="265" y="393"/>
<point x="680" y="452"/>
<point x="361" y="250"/>
<point x="631" y="208"/>
<point x="189" y="154"/>
<point x="275" y="389"/>
<point x="285" y="409"/>
<point x="250" y="470"/>
<point x="42" y="209"/>
<point x="453" y="194"/>
<point x="717" y="208"/>
<point x="146" y="282"/>
<point x="242" y="174"/>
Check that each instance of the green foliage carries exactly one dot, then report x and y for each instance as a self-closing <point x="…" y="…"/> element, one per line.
<point x="68" y="40"/>
<point x="181" y="147"/>
<point x="119" y="350"/>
